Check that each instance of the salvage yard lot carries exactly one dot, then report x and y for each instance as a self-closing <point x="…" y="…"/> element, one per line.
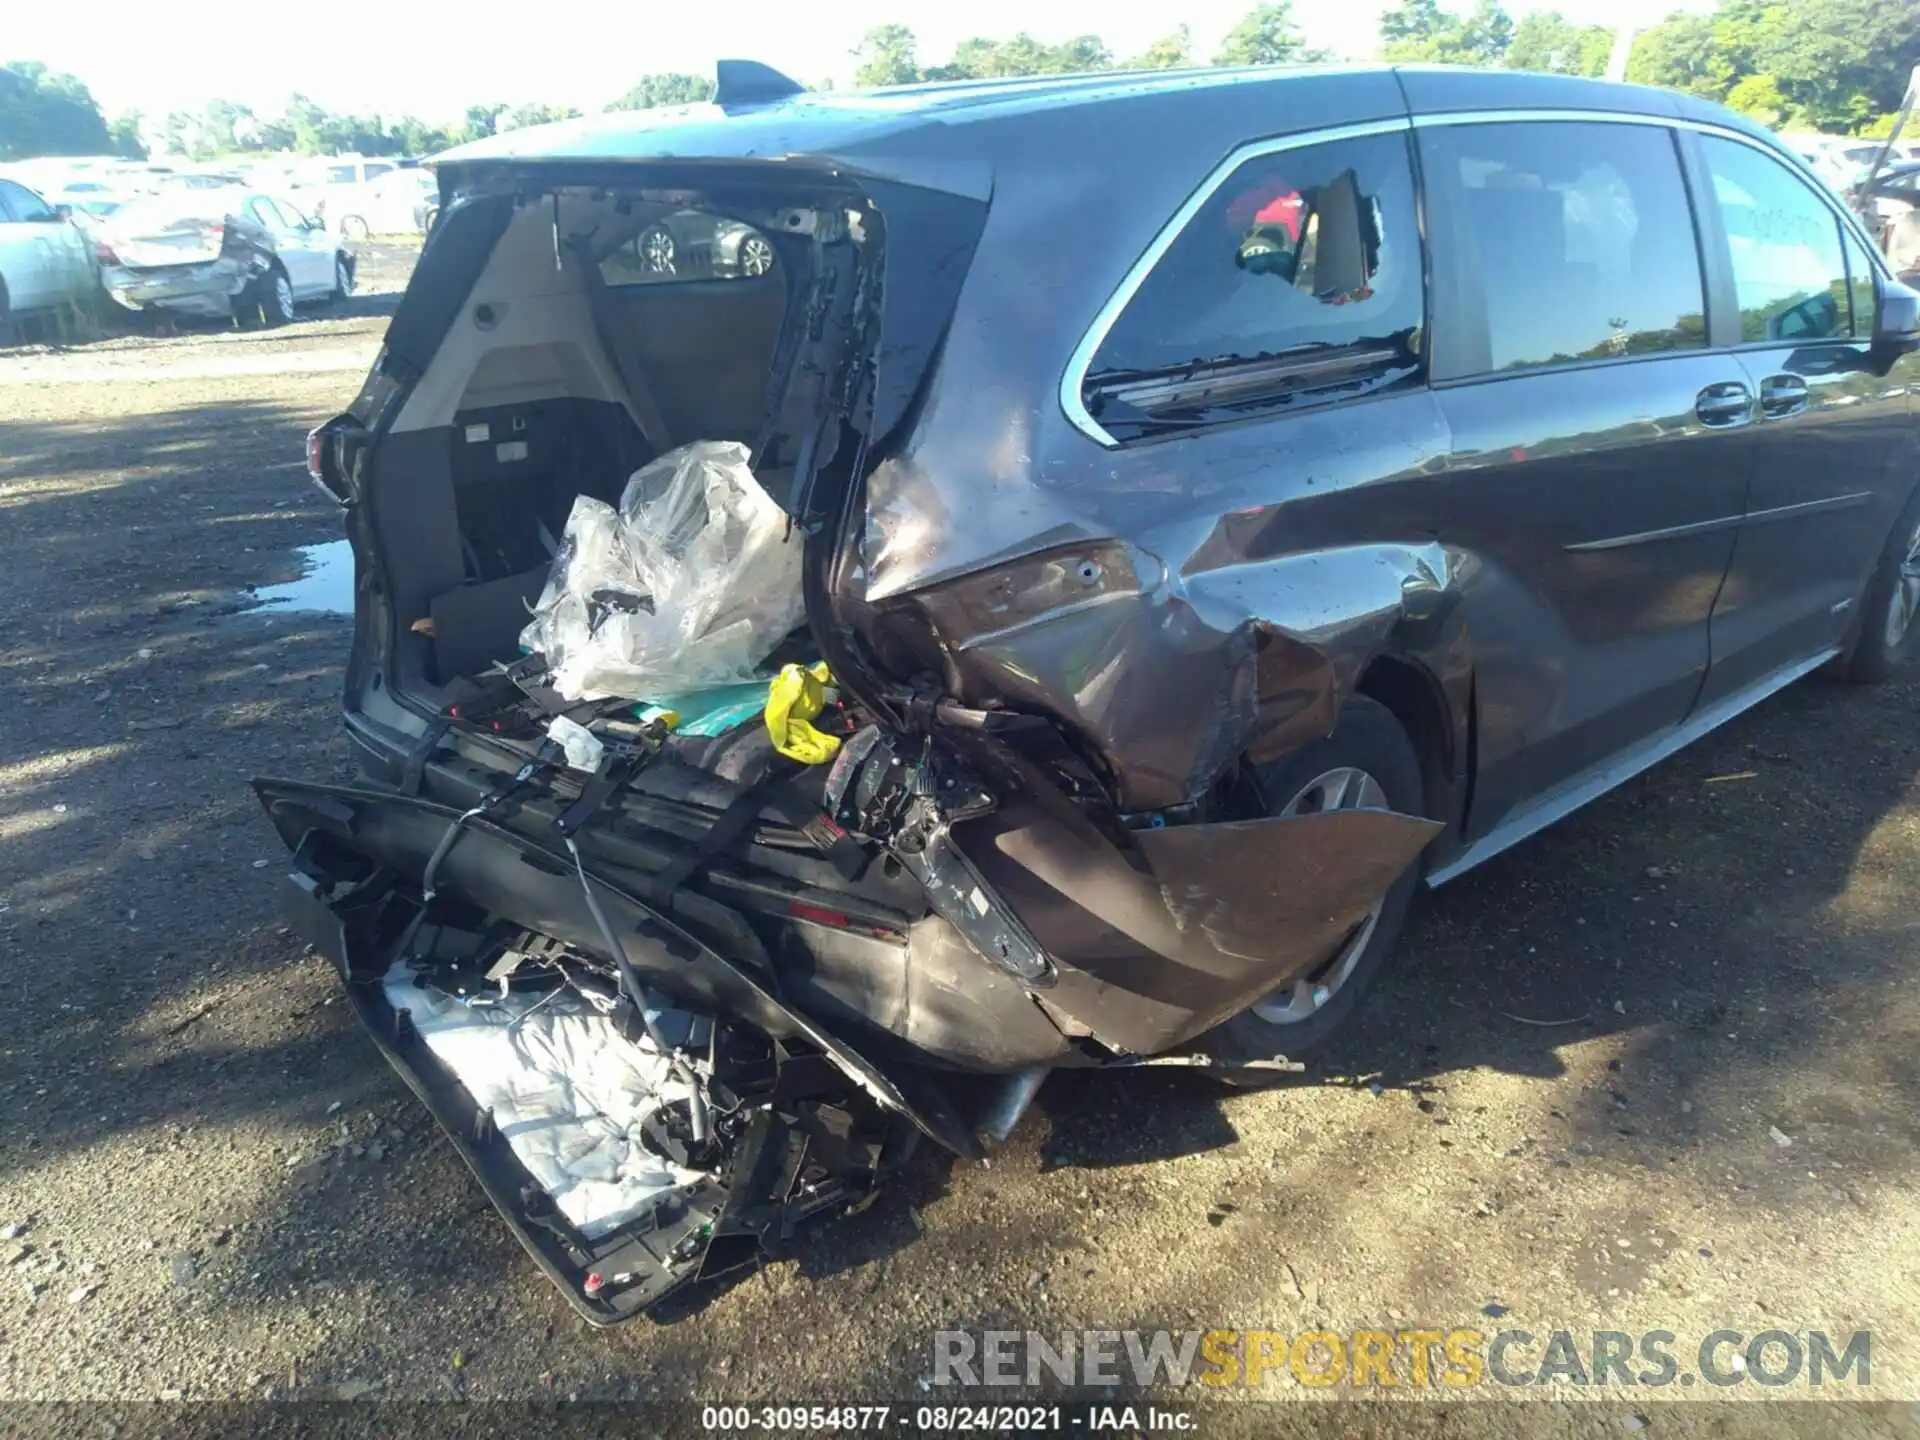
<point x="1656" y="1069"/>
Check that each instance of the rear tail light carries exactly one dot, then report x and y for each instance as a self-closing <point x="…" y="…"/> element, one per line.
<point x="323" y="462"/>
<point x="838" y="920"/>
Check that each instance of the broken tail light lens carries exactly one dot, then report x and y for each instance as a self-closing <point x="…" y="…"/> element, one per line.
<point x="838" y="920"/>
<point x="323" y="462"/>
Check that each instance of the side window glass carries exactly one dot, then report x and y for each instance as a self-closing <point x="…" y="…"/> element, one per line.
<point x="6" y="201"/>
<point x="688" y="245"/>
<point x="1860" y="286"/>
<point x="1789" y="277"/>
<point x="1577" y="237"/>
<point x="26" y="207"/>
<point x="1298" y="280"/>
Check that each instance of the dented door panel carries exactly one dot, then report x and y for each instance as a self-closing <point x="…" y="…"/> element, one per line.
<point x="1182" y="606"/>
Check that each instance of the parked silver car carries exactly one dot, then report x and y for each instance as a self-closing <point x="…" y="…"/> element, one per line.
<point x="220" y="253"/>
<point x="44" y="260"/>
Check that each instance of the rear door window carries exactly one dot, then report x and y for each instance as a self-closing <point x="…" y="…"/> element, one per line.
<point x="1789" y="272"/>
<point x="1298" y="280"/>
<point x="1564" y="242"/>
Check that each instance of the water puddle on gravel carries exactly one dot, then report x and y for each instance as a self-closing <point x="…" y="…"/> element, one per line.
<point x="325" y="585"/>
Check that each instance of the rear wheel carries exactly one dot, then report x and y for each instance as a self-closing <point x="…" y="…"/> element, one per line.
<point x="1367" y="763"/>
<point x="276" y="298"/>
<point x="6" y="316"/>
<point x="658" y="252"/>
<point x="354" y="227"/>
<point x="1890" y="609"/>
<point x="342" y="278"/>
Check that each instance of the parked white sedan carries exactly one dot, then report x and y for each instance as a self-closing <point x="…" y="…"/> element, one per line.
<point x="45" y="261"/>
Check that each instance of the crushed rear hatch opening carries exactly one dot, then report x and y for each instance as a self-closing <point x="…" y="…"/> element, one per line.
<point x="681" y="845"/>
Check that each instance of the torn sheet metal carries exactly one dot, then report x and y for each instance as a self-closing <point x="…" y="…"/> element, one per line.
<point x="1178" y="608"/>
<point x="1154" y="948"/>
<point x="1174" y="679"/>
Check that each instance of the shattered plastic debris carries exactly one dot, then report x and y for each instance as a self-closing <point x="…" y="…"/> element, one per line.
<point x="690" y="583"/>
<point x="581" y="746"/>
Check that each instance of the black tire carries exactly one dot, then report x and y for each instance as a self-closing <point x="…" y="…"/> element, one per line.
<point x="342" y="278"/>
<point x="274" y="294"/>
<point x="1882" y="638"/>
<point x="1369" y="739"/>
<point x="6" y="316"/>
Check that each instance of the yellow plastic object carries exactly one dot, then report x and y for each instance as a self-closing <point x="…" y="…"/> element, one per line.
<point x="797" y="694"/>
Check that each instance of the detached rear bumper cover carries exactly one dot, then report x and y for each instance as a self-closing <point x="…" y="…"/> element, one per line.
<point x="355" y="854"/>
<point x="207" y="288"/>
<point x="1144" y="951"/>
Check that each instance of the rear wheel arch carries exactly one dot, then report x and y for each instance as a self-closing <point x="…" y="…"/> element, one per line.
<point x="1417" y="699"/>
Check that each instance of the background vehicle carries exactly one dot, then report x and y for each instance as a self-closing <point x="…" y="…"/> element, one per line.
<point x="44" y="260"/>
<point x="340" y="190"/>
<point x="690" y="245"/>
<point x="396" y="203"/>
<point x="220" y="253"/>
<point x="86" y="202"/>
<point x="1392" y="462"/>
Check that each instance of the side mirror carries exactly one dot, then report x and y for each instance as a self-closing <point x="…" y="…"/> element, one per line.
<point x="1896" y="319"/>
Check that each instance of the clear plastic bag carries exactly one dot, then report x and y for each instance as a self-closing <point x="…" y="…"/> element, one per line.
<point x="691" y="582"/>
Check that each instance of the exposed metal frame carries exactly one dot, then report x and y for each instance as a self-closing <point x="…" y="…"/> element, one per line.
<point x="1074" y="378"/>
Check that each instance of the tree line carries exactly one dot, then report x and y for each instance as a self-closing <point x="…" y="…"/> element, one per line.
<point x="1833" y="65"/>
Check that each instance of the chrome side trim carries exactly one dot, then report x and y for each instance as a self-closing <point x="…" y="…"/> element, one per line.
<point x="1564" y="799"/>
<point x="1074" y="380"/>
<point x="1646" y="537"/>
<point x="1726" y="522"/>
<point x="1811" y="507"/>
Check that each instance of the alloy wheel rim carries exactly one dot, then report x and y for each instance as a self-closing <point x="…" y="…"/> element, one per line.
<point x="656" y="248"/>
<point x="1345" y="787"/>
<point x="756" y="256"/>
<point x="1905" y="603"/>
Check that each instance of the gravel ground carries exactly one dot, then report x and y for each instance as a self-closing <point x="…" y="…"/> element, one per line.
<point x="1655" y="1069"/>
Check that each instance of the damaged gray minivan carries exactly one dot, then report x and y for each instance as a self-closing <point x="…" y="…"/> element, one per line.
<point x="1159" y="519"/>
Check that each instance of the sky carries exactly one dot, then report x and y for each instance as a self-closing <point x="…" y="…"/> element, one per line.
<point x="433" y="60"/>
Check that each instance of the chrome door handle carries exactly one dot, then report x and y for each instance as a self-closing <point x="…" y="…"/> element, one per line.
<point x="1728" y="403"/>
<point x="1782" y="395"/>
